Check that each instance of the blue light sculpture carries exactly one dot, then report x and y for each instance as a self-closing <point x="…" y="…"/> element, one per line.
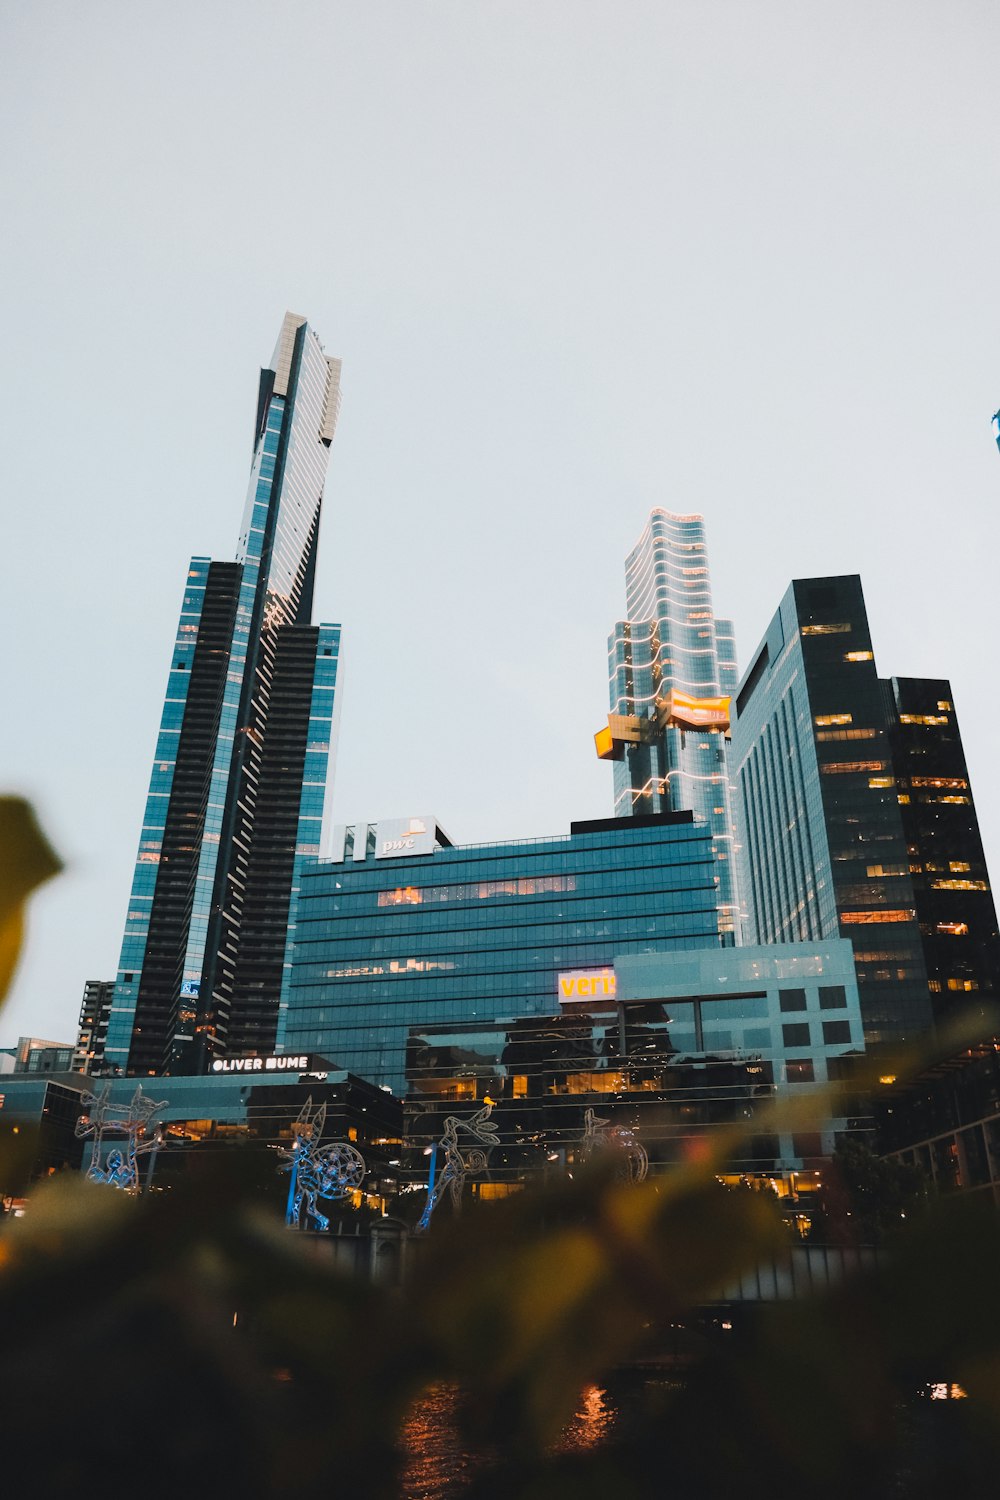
<point x="120" y="1169"/>
<point x="333" y="1171"/>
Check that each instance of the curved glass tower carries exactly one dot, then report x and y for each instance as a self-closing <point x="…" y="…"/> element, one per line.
<point x="672" y="669"/>
<point x="237" y="789"/>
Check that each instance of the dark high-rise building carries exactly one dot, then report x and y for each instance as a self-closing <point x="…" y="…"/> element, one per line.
<point x="856" y="816"/>
<point x="240" y="769"/>
<point x="822" y="841"/>
<point x="671" y="671"/>
<point x="951" y="887"/>
<point x="92" y="1030"/>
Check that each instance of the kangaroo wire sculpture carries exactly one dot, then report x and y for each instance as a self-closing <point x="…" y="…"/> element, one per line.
<point x="121" y="1168"/>
<point x="600" y="1135"/>
<point x="332" y="1171"/>
<point x="458" y="1163"/>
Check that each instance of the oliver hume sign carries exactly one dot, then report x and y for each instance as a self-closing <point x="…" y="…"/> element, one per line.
<point x="292" y="1064"/>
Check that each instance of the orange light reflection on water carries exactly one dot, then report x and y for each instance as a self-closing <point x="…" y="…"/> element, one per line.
<point x="590" y="1424"/>
<point x="438" y="1464"/>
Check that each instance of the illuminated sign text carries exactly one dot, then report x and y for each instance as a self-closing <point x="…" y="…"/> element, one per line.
<point x="586" y="984"/>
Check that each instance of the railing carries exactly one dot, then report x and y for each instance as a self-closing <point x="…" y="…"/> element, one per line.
<point x="804" y="1272"/>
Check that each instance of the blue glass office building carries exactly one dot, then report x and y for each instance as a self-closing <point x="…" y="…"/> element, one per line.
<point x="671" y="670"/>
<point x="692" y="1040"/>
<point x="240" y="768"/>
<point x="385" y="940"/>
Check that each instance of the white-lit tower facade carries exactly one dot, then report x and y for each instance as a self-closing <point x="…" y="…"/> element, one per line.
<point x="672" y="670"/>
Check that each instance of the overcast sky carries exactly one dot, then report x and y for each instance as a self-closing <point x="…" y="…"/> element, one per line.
<point x="579" y="259"/>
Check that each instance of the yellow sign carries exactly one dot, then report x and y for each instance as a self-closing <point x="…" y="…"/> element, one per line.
<point x="697" y="713"/>
<point x="622" y="730"/>
<point x="586" y="984"/>
<point x="606" y="749"/>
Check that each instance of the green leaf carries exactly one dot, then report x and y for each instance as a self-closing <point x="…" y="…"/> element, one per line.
<point x="26" y="860"/>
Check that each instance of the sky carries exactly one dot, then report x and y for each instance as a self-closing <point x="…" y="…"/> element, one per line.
<point x="579" y="259"/>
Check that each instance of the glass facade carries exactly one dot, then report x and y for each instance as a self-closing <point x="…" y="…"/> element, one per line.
<point x="951" y="885"/>
<point x="823" y="845"/>
<point x="237" y="784"/>
<point x="474" y="934"/>
<point x="694" y="1039"/>
<point x="669" y="654"/>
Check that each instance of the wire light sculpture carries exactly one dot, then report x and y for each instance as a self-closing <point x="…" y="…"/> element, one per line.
<point x="600" y="1136"/>
<point x="120" y="1168"/>
<point x="317" y="1171"/>
<point x="458" y="1163"/>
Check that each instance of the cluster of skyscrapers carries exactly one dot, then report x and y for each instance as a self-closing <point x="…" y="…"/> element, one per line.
<point x="793" y="868"/>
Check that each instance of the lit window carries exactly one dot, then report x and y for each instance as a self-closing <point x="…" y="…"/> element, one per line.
<point x="846" y="734"/>
<point x="844" y="767"/>
<point x="834" y="719"/>
<point x="826" y="629"/>
<point x="959" y="885"/>
<point x="858" y="656"/>
<point x="863" y="918"/>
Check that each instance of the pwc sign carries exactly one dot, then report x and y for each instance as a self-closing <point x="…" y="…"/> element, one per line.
<point x="592" y="987"/>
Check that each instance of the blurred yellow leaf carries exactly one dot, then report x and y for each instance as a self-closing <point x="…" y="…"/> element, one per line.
<point x="26" y="860"/>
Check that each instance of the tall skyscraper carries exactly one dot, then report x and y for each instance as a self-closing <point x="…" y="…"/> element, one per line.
<point x="951" y="886"/>
<point x="855" y="813"/>
<point x="240" y="770"/>
<point x="672" y="670"/>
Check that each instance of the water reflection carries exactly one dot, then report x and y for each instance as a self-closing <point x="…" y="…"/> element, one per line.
<point x="590" y="1424"/>
<point x="439" y="1465"/>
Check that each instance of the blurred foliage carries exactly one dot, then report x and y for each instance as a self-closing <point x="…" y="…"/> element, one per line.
<point x="26" y="860"/>
<point x="186" y="1344"/>
<point x="867" y="1199"/>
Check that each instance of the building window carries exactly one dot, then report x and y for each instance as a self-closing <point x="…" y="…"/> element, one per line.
<point x="832" y="997"/>
<point x="807" y="1145"/>
<point x="836" y="1031"/>
<point x="792" y="999"/>
<point x="854" y="918"/>
<point x="795" y="1033"/>
<point x="800" y="1070"/>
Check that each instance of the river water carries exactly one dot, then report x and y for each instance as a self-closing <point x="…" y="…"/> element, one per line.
<point x="439" y="1463"/>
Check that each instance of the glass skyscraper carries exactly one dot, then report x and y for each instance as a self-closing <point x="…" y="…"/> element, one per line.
<point x="240" y="770"/>
<point x="672" y="670"/>
<point x="951" y="885"/>
<point x="825" y="849"/>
